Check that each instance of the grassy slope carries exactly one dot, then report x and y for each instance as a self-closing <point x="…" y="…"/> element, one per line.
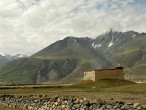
<point x="20" y="71"/>
<point x="140" y="66"/>
<point x="26" y="71"/>
<point x="129" y="55"/>
<point x="132" y="57"/>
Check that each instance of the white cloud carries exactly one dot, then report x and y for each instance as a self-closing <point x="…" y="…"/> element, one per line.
<point x="29" y="25"/>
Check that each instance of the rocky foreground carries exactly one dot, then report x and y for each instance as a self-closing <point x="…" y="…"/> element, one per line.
<point x="44" y="102"/>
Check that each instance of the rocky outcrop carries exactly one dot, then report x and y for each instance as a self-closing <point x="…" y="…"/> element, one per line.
<point x="54" y="70"/>
<point x="43" y="102"/>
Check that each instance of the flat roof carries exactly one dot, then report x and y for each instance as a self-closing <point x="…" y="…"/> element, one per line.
<point x="120" y="68"/>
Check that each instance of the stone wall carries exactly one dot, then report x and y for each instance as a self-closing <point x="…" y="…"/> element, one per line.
<point x="109" y="74"/>
<point x="43" y="102"/>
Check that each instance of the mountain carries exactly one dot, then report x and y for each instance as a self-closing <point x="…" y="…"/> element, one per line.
<point x="127" y="49"/>
<point x="73" y="48"/>
<point x="78" y="52"/>
<point x="65" y="60"/>
<point x="7" y="57"/>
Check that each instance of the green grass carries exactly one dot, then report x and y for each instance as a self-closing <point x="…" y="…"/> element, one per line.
<point x="132" y="89"/>
<point x="84" y="86"/>
<point x="132" y="48"/>
<point x="20" y="71"/>
<point x="100" y="85"/>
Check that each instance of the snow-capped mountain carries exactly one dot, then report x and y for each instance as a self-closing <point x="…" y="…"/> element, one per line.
<point x="119" y="46"/>
<point x="65" y="60"/>
<point x="7" y="57"/>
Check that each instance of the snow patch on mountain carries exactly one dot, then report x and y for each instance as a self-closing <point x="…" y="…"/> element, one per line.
<point x="16" y="55"/>
<point x="2" y="54"/>
<point x="93" y="38"/>
<point x="99" y="45"/>
<point x="93" y="45"/>
<point x="96" y="45"/>
<point x="133" y="35"/>
<point x="7" y="57"/>
<point x="111" y="43"/>
<point x="19" y="56"/>
<point x="75" y="40"/>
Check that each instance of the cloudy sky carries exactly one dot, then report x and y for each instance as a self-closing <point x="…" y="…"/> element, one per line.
<point x="27" y="26"/>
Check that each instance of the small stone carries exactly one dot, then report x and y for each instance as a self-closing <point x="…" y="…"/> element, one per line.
<point x="115" y="107"/>
<point x="108" y="106"/>
<point x="139" y="108"/>
<point x="112" y="99"/>
<point x="102" y="107"/>
<point x="135" y="105"/>
<point x="56" y="103"/>
<point x="63" y="106"/>
<point x="129" y="103"/>
<point x="122" y="107"/>
<point x="127" y="107"/>
<point x="77" y="106"/>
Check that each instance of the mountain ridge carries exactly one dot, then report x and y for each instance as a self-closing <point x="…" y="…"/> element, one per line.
<point x="4" y="58"/>
<point x="65" y="60"/>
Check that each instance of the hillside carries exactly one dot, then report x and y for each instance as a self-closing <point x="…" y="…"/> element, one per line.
<point x="65" y="60"/>
<point x="72" y="48"/>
